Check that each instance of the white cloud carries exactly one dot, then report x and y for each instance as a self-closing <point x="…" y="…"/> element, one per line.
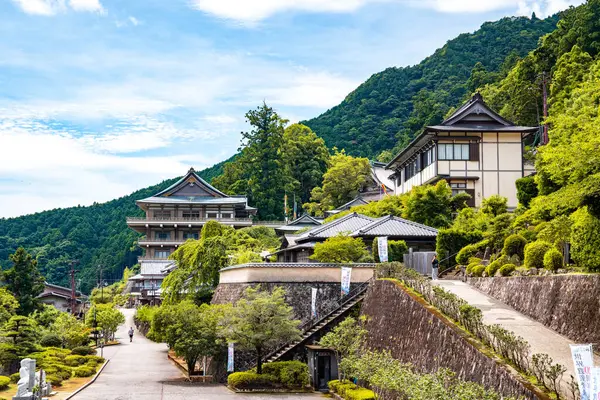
<point x="134" y="21"/>
<point x="252" y="11"/>
<point x="52" y="7"/>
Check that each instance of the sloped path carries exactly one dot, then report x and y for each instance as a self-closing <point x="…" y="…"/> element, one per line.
<point x="540" y="338"/>
<point x="141" y="371"/>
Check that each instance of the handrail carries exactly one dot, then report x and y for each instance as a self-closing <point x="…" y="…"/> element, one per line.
<point x="308" y="325"/>
<point x="185" y="219"/>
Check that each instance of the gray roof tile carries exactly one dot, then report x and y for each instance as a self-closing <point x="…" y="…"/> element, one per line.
<point x="396" y="226"/>
<point x="348" y="224"/>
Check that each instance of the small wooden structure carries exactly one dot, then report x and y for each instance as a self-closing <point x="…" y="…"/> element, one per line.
<point x="322" y="366"/>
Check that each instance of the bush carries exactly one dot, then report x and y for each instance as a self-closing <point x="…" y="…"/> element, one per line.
<point x="345" y="386"/>
<point x="84" y="371"/>
<point x="4" y="382"/>
<point x="451" y="241"/>
<point x="251" y="380"/>
<point x="477" y="270"/>
<point x="514" y="245"/>
<point x="466" y="253"/>
<point x="507" y="269"/>
<point x="75" y="360"/>
<point x="83" y="351"/>
<point x="585" y="241"/>
<point x="553" y="260"/>
<point x="534" y="253"/>
<point x="62" y="371"/>
<point x="493" y="267"/>
<point x="333" y="385"/>
<point x="472" y="265"/>
<point x="291" y="374"/>
<point x="397" y="250"/>
<point x="388" y="270"/>
<point x="14" y="378"/>
<point x="55" y="380"/>
<point x="96" y="359"/>
<point x="51" y="340"/>
<point x="526" y="190"/>
<point x="360" y="394"/>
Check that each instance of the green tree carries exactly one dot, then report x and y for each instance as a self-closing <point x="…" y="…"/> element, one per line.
<point x="45" y="315"/>
<point x="259" y="321"/>
<point x="71" y="331"/>
<point x="433" y="205"/>
<point x="341" y="183"/>
<point x="24" y="281"/>
<point x="346" y="340"/>
<point x="107" y="317"/>
<point x="8" y="305"/>
<point x="340" y="249"/>
<point x="22" y="333"/>
<point x="306" y="159"/>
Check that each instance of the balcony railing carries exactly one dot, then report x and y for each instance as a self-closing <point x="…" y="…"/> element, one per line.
<point x="185" y="219"/>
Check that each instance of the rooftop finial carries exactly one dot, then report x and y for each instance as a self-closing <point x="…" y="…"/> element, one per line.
<point x="477" y="96"/>
<point x="191" y="170"/>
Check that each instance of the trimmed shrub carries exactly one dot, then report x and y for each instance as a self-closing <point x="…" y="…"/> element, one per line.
<point x="514" y="245"/>
<point x="451" y="241"/>
<point x="507" y="269"/>
<point x="472" y="265"/>
<point x="467" y="253"/>
<point x="94" y="359"/>
<point x="553" y="260"/>
<point x="527" y="189"/>
<point x="51" y="340"/>
<point x="397" y="250"/>
<point x="62" y="371"/>
<point x="251" y="380"/>
<point x="291" y="374"/>
<point x="585" y="241"/>
<point x="534" y="253"/>
<point x="360" y="394"/>
<point x="83" y="351"/>
<point x="84" y="371"/>
<point x="493" y="267"/>
<point x="75" y="360"/>
<point x="388" y="270"/>
<point x="4" y="382"/>
<point x="14" y="378"/>
<point x="345" y="386"/>
<point x="333" y="385"/>
<point x="477" y="270"/>
<point x="55" y="380"/>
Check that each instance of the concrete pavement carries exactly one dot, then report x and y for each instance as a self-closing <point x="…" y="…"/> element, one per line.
<point x="141" y="371"/>
<point x="540" y="338"/>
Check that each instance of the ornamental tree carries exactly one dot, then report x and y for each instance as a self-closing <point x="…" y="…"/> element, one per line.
<point x="260" y="321"/>
<point x="345" y="340"/>
<point x="24" y="281"/>
<point x="340" y="249"/>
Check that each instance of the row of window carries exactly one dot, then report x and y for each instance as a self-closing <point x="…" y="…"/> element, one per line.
<point x="192" y="215"/>
<point x="167" y="235"/>
<point x="445" y="152"/>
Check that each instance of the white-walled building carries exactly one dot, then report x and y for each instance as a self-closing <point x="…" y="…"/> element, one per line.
<point x="475" y="150"/>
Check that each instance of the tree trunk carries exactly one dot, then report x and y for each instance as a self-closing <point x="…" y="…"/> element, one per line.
<point x="258" y="360"/>
<point x="191" y="364"/>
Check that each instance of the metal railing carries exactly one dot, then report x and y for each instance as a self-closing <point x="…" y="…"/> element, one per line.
<point x="185" y="219"/>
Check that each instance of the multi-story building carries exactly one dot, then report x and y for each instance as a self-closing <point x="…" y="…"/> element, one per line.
<point x="178" y="213"/>
<point x="475" y="150"/>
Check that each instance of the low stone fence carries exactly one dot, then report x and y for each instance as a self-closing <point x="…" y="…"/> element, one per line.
<point x="567" y="304"/>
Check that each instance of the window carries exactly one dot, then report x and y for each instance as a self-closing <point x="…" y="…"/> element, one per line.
<point x="162" y="214"/>
<point x="163" y="235"/>
<point x="225" y="215"/>
<point x="458" y="188"/>
<point x="427" y="158"/>
<point x="211" y="215"/>
<point x="191" y="214"/>
<point x="190" y="235"/>
<point x="161" y="253"/>
<point x="453" y="151"/>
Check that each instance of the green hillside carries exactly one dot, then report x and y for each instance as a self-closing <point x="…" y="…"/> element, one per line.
<point x="96" y="235"/>
<point x="393" y="105"/>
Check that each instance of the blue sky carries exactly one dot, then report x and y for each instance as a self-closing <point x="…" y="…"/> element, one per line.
<point x="102" y="97"/>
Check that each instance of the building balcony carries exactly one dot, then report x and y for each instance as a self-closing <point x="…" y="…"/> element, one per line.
<point x="183" y="222"/>
<point x="145" y="242"/>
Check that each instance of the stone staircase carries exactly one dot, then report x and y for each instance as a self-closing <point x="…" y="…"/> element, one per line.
<point x="312" y="327"/>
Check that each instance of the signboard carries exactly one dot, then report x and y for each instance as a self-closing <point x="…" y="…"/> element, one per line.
<point x="346" y="275"/>
<point x="595" y="383"/>
<point x="382" y="248"/>
<point x="313" y="302"/>
<point x="230" y="358"/>
<point x="583" y="361"/>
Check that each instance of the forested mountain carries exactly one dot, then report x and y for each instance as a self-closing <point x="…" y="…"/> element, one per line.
<point x="96" y="235"/>
<point x="387" y="110"/>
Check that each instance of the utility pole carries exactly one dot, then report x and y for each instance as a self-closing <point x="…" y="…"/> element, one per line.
<point x="72" y="273"/>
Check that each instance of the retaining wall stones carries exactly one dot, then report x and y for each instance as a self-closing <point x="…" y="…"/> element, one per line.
<point x="567" y="304"/>
<point x="413" y="332"/>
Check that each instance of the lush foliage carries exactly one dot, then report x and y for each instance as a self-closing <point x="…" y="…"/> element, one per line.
<point x="534" y="253"/>
<point x="106" y="317"/>
<point x="450" y="241"/>
<point x="346" y="341"/>
<point x="433" y="205"/>
<point x="342" y="182"/>
<point x="553" y="260"/>
<point x="349" y="391"/>
<point x="392" y="106"/>
<point x="290" y="374"/>
<point x="514" y="245"/>
<point x="396" y="250"/>
<point x="24" y="281"/>
<point x="259" y="321"/>
<point x="341" y="249"/>
<point x="585" y="240"/>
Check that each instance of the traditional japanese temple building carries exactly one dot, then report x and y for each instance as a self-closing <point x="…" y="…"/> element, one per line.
<point x="178" y="213"/>
<point x="475" y="150"/>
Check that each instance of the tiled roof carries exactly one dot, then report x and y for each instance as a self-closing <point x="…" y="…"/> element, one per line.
<point x="192" y="174"/>
<point x="349" y="224"/>
<point x="395" y="226"/>
<point x="195" y="200"/>
<point x="154" y="267"/>
<point x="305" y="219"/>
<point x="298" y="265"/>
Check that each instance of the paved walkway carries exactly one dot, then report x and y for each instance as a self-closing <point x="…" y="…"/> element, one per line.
<point x="141" y="371"/>
<point x="540" y="338"/>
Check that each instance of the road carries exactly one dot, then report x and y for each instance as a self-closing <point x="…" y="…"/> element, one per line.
<point x="141" y="371"/>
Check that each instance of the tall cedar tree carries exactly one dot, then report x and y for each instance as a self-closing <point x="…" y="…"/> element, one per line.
<point x="24" y="281"/>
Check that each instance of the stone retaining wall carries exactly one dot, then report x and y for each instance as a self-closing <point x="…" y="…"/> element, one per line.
<point x="567" y="304"/>
<point x="415" y="333"/>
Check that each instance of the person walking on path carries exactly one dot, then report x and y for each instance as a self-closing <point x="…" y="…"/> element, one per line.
<point x="435" y="264"/>
<point x="131" y="334"/>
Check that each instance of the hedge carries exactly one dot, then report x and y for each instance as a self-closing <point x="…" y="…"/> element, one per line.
<point x="493" y="267"/>
<point x="553" y="259"/>
<point x="507" y="269"/>
<point x="585" y="241"/>
<point x="83" y="351"/>
<point x="534" y="253"/>
<point x="477" y="270"/>
<point x="451" y="241"/>
<point x="51" y="340"/>
<point x="251" y="380"/>
<point x="4" y="382"/>
<point x="75" y="360"/>
<point x="84" y="371"/>
<point x="350" y="391"/>
<point x="290" y="374"/>
<point x="360" y="394"/>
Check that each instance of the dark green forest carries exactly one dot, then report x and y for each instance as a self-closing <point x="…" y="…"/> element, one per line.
<point x="96" y="235"/>
<point x="392" y="106"/>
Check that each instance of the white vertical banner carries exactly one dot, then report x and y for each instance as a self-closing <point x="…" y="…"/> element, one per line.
<point x="313" y="302"/>
<point x="595" y="383"/>
<point x="583" y="360"/>
<point x="230" y="358"/>
<point x="382" y="248"/>
<point x="346" y="276"/>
